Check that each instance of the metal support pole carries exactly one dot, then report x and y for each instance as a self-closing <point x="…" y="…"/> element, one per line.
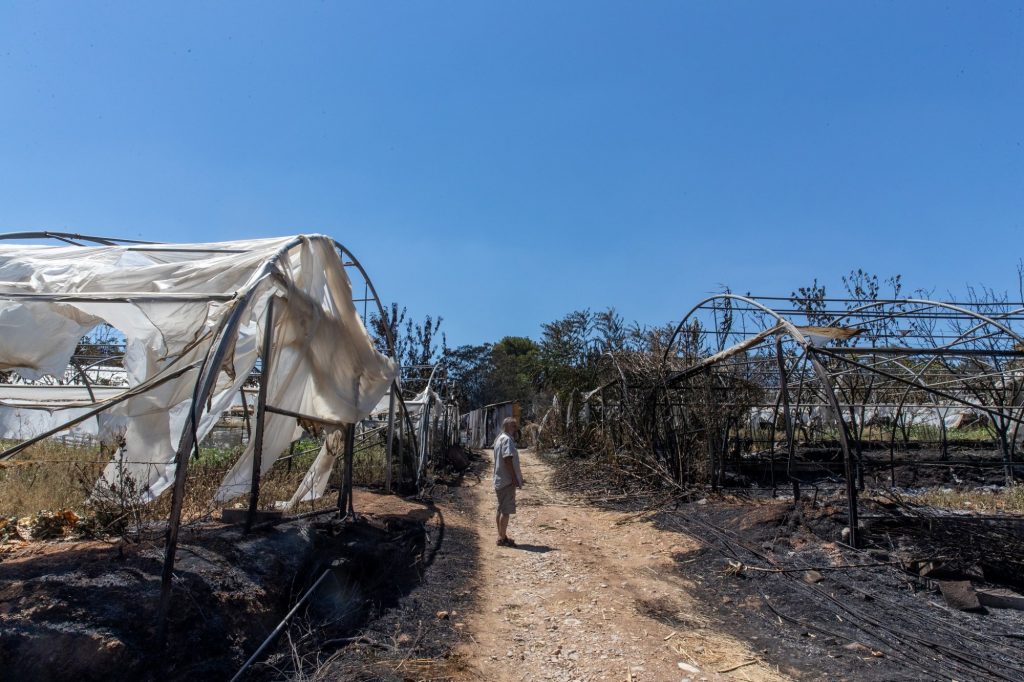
<point x="445" y="439"/>
<point x="204" y="386"/>
<point x="261" y="417"/>
<point x="245" y="413"/>
<point x="424" y="435"/>
<point x="389" y="452"/>
<point x="850" y="471"/>
<point x="401" y="444"/>
<point x="350" y="448"/>
<point x="787" y="416"/>
<point x="345" y="507"/>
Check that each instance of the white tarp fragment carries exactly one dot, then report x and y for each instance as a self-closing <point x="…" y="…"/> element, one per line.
<point x="315" y="481"/>
<point x="170" y="302"/>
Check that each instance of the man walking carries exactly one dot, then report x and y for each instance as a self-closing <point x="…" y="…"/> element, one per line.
<point x="507" y="477"/>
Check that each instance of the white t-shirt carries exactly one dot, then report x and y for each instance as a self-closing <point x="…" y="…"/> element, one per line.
<point x="505" y="447"/>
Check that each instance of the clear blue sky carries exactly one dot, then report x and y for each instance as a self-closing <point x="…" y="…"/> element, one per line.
<point x="501" y="164"/>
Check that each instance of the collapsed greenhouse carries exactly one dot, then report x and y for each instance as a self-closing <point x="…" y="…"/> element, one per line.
<point x="264" y="331"/>
<point x="823" y="395"/>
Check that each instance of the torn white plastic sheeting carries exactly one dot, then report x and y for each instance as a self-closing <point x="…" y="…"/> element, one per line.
<point x="417" y="404"/>
<point x="315" y="481"/>
<point x="171" y="302"/>
<point x="318" y="367"/>
<point x="27" y="411"/>
<point x="23" y="423"/>
<point x="49" y="396"/>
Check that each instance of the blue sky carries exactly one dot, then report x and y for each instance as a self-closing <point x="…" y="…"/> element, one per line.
<point x="501" y="164"/>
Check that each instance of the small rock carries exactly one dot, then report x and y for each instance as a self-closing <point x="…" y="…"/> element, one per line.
<point x="960" y="594"/>
<point x="975" y="572"/>
<point x="687" y="668"/>
<point x="813" y="577"/>
<point x="1001" y="599"/>
<point x="442" y="615"/>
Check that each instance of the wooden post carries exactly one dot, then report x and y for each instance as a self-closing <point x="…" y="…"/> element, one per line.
<point x="261" y="417"/>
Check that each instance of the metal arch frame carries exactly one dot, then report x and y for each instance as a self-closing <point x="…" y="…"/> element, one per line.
<point x="813" y="353"/>
<point x="985" y="319"/>
<point x="69" y="237"/>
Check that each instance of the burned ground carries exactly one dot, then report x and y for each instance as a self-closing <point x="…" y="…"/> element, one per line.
<point x="820" y="609"/>
<point x="87" y="610"/>
<point x="783" y="579"/>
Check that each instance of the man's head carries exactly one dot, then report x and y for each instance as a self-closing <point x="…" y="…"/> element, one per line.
<point x="510" y="426"/>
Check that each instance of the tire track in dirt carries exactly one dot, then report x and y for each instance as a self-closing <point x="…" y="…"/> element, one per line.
<point x="589" y="595"/>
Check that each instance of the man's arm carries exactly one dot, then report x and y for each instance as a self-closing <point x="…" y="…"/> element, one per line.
<point x="510" y="469"/>
<point x="511" y="461"/>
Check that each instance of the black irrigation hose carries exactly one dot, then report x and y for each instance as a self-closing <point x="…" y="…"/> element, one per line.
<point x="900" y="634"/>
<point x="893" y="652"/>
<point x="280" y="627"/>
<point x="974" y="661"/>
<point x="969" y="663"/>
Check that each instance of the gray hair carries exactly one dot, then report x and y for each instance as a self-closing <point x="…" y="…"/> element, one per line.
<point x="509" y="421"/>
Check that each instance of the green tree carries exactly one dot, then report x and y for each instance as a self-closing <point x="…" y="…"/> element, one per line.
<point x="416" y="343"/>
<point x="470" y="368"/>
<point x="566" y="353"/>
<point x="514" y="370"/>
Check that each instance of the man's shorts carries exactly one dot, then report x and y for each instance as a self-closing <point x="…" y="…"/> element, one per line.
<point x="506" y="499"/>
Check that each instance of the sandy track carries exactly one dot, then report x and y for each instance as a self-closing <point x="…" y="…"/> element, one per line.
<point x="589" y="595"/>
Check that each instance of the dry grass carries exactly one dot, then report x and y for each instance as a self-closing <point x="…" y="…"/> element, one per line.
<point x="54" y="475"/>
<point x="1004" y="500"/>
<point x="49" y="476"/>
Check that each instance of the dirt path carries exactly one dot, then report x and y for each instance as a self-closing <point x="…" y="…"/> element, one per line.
<point x="589" y="595"/>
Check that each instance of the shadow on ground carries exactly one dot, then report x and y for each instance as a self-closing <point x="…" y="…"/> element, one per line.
<point x="86" y="611"/>
<point x="413" y="634"/>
